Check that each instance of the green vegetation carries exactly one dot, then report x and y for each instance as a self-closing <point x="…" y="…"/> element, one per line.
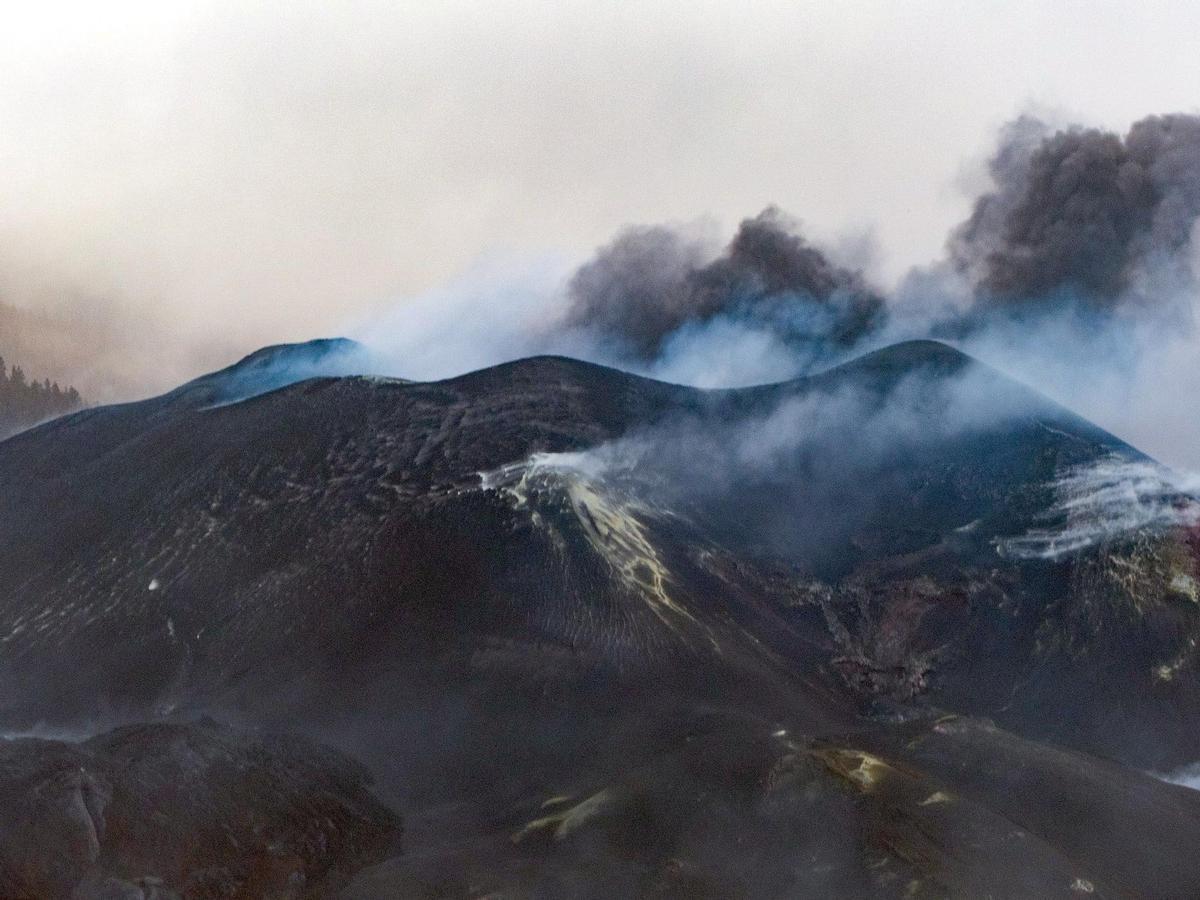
<point x="25" y="402"/>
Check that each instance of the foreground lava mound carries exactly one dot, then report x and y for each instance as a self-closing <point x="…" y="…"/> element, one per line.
<point x="209" y="811"/>
<point x="901" y="629"/>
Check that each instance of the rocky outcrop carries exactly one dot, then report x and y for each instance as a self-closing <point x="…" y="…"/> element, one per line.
<point x="183" y="810"/>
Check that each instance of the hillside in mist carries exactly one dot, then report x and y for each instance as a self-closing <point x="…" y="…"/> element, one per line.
<point x="25" y="401"/>
<point x="887" y="630"/>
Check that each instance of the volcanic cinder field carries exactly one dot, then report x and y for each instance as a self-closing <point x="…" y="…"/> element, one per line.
<point x="549" y="629"/>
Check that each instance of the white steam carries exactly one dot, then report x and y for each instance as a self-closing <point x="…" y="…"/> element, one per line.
<point x="829" y="434"/>
<point x="1107" y="500"/>
<point x="1188" y="777"/>
<point x="505" y="309"/>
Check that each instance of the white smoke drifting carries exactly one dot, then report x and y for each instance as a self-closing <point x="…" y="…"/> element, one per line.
<point x="1108" y="500"/>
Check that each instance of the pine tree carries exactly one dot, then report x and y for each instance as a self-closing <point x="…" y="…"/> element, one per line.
<point x="25" y="402"/>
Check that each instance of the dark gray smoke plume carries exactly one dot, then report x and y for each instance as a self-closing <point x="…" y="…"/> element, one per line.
<point x="1087" y="214"/>
<point x="1074" y="273"/>
<point x="651" y="282"/>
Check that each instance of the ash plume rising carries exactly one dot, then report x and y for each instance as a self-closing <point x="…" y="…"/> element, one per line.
<point x="1076" y="271"/>
<point x="650" y="284"/>
<point x="1104" y="220"/>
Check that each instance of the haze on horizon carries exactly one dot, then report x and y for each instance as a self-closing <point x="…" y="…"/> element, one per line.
<point x="185" y="182"/>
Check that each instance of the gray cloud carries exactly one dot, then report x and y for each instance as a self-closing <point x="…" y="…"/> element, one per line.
<point x="184" y="183"/>
<point x="213" y="177"/>
<point x="651" y="282"/>
<point x="1086" y="214"/>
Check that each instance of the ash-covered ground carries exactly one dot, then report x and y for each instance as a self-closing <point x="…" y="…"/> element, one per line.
<point x="901" y="629"/>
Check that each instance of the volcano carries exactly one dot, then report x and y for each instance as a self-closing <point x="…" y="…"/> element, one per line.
<point x="904" y="628"/>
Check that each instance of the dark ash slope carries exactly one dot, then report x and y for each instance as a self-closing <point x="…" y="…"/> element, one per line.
<point x="582" y="675"/>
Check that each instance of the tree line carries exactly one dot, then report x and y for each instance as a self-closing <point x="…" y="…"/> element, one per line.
<point x="25" y="401"/>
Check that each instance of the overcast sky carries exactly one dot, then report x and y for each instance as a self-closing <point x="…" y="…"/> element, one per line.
<point x="212" y="177"/>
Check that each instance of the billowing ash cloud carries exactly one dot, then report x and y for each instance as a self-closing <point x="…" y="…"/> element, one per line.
<point x="651" y="283"/>
<point x="1086" y="214"/>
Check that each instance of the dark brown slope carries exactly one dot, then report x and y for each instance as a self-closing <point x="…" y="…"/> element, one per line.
<point x="393" y="568"/>
<point x="151" y="810"/>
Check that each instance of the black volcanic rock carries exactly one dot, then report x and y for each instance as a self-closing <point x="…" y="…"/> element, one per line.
<point x="195" y="810"/>
<point x="697" y="627"/>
